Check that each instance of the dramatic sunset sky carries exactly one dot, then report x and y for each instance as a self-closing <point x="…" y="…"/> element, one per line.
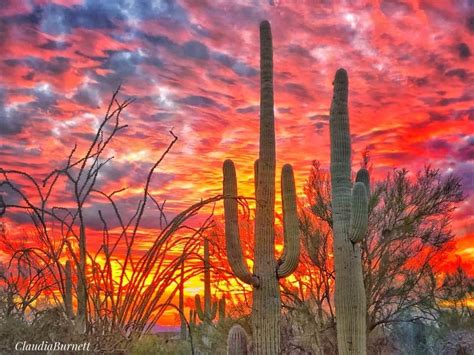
<point x="193" y="66"/>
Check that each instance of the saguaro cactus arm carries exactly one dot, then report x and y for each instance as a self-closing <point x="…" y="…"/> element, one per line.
<point x="359" y="212"/>
<point x="213" y="311"/>
<point x="364" y="177"/>
<point x="232" y="235"/>
<point x="199" y="308"/>
<point x="291" y="252"/>
<point x="192" y="317"/>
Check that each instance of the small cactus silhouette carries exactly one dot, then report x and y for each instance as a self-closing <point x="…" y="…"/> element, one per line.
<point x="192" y="317"/>
<point x="221" y="308"/>
<point x="207" y="311"/>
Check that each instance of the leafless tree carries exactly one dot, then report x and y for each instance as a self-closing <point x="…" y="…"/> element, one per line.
<point x="408" y="231"/>
<point x="119" y="288"/>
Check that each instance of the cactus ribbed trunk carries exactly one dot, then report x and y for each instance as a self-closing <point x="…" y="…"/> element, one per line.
<point x="68" y="290"/>
<point x="237" y="341"/>
<point x="347" y="207"/>
<point x="267" y="270"/>
<point x="266" y="298"/>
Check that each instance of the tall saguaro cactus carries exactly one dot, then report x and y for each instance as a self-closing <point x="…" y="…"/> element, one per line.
<point x="267" y="270"/>
<point x="350" y="215"/>
<point x="208" y="312"/>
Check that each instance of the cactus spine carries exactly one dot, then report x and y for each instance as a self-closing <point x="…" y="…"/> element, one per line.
<point x="237" y="341"/>
<point x="68" y="291"/>
<point x="207" y="313"/>
<point x="264" y="279"/>
<point x="350" y="215"/>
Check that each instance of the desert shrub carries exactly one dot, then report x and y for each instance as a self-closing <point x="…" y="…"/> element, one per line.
<point x="11" y="329"/>
<point x="158" y="345"/>
<point x="47" y="325"/>
<point x="213" y="338"/>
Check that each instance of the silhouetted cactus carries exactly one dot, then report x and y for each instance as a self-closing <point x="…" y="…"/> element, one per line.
<point x="350" y="215"/>
<point x="208" y="311"/>
<point x="264" y="279"/>
<point x="192" y="317"/>
<point x="221" y="307"/>
<point x="68" y="290"/>
<point x="237" y="341"/>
